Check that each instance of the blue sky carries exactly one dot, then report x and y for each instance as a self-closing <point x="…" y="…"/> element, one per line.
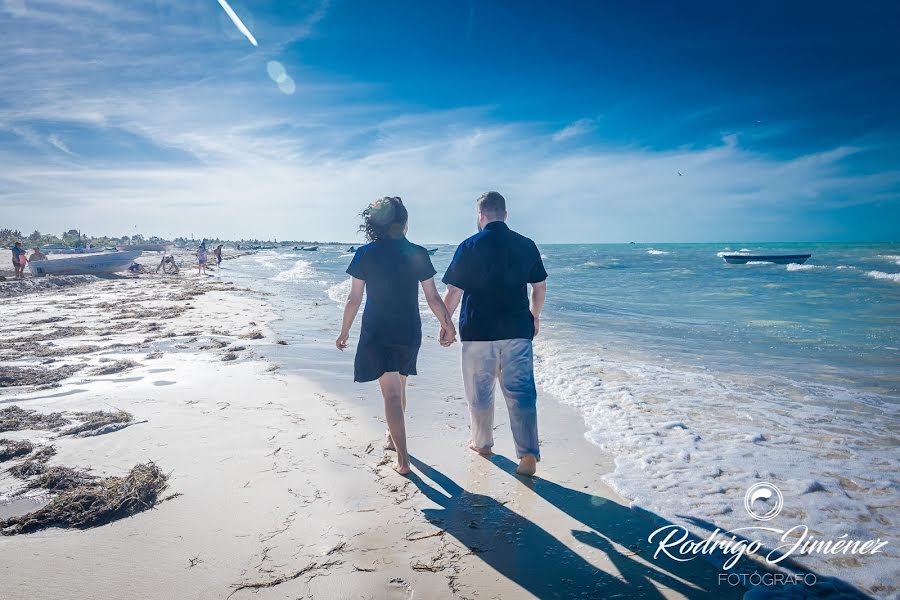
<point x="161" y="117"/>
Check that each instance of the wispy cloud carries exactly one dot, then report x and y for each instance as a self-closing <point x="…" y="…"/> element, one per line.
<point x="57" y="143"/>
<point x="576" y="129"/>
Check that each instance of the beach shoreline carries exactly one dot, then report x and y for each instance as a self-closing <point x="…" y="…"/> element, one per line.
<point x="280" y="486"/>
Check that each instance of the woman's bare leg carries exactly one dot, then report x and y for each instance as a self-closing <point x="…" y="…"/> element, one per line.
<point x="392" y="389"/>
<point x="388" y="442"/>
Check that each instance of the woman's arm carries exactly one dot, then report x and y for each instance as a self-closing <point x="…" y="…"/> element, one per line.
<point x="354" y="300"/>
<point x="448" y="331"/>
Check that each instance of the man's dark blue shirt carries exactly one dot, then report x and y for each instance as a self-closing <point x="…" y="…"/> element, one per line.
<point x="494" y="268"/>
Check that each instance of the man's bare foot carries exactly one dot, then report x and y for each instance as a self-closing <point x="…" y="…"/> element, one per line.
<point x="389" y="442"/>
<point x="527" y="466"/>
<point x="402" y="469"/>
<point x="481" y="451"/>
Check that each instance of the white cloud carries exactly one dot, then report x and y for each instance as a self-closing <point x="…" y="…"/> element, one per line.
<point x="576" y="129"/>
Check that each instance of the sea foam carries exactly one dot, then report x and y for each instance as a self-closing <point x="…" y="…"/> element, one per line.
<point x="895" y="277"/>
<point x="301" y="270"/>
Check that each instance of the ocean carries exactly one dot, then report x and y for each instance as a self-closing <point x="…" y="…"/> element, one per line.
<point x="698" y="377"/>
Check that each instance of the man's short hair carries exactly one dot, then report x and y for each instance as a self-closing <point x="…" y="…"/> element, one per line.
<point x="492" y="205"/>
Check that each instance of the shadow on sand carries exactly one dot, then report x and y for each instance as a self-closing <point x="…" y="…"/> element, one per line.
<point x="529" y="555"/>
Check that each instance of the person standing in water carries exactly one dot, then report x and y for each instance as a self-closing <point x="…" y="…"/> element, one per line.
<point x="490" y="272"/>
<point x="201" y="258"/>
<point x="218" y="254"/>
<point x="389" y="270"/>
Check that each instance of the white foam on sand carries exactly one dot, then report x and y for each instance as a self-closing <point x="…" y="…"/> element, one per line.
<point x="339" y="292"/>
<point x="299" y="271"/>
<point x="689" y="442"/>
<point x="895" y="277"/>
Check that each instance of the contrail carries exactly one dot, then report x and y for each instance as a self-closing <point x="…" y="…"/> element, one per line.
<point x="237" y="22"/>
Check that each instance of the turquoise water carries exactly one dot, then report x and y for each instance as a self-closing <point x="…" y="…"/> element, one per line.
<point x="700" y="378"/>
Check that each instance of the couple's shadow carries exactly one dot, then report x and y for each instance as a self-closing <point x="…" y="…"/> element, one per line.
<point x="529" y="555"/>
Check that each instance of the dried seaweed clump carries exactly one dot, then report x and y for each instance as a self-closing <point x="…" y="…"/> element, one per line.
<point x="253" y="335"/>
<point x="10" y="449"/>
<point x="115" y="367"/>
<point x="14" y="418"/>
<point x="95" y="502"/>
<point x="35" y="465"/>
<point x="16" y="376"/>
<point x="98" y="421"/>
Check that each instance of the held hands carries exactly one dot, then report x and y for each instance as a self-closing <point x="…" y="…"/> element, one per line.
<point x="447" y="336"/>
<point x="341" y="341"/>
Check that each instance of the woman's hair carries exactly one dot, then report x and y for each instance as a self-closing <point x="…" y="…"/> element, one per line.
<point x="384" y="218"/>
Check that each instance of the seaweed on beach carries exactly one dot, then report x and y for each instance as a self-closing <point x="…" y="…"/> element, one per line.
<point x="35" y="465"/>
<point x="92" y="502"/>
<point x="19" y="376"/>
<point x="10" y="449"/>
<point x="98" y="421"/>
<point x="14" y="418"/>
<point x="55" y="334"/>
<point x="59" y="479"/>
<point x="115" y="367"/>
<point x="253" y="335"/>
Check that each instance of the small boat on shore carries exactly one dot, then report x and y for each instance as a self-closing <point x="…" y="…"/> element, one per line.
<point x="778" y="259"/>
<point x="91" y="264"/>
<point x="63" y="249"/>
<point x="306" y="248"/>
<point x="431" y="251"/>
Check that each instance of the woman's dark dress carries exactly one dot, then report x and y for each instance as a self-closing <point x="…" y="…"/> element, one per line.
<point x="391" y="327"/>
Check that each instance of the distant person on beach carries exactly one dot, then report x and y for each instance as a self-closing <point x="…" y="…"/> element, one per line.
<point x="389" y="270"/>
<point x="37" y="255"/>
<point x="490" y="272"/>
<point x="218" y="254"/>
<point x="19" y="260"/>
<point x="201" y="259"/>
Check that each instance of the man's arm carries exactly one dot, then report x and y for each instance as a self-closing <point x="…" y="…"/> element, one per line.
<point x="452" y="298"/>
<point x="451" y="301"/>
<point x="538" y="295"/>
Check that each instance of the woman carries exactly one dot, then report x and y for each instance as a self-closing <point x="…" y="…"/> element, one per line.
<point x="389" y="270"/>
<point x="201" y="258"/>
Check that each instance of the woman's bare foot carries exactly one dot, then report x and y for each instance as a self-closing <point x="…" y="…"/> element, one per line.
<point x="402" y="469"/>
<point x="389" y="442"/>
<point x="527" y="465"/>
<point x="481" y="451"/>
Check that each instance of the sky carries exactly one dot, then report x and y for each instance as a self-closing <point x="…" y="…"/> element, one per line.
<point x="599" y="121"/>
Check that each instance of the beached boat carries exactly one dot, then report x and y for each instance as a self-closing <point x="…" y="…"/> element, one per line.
<point x="92" y="264"/>
<point x="432" y="250"/>
<point x="778" y="259"/>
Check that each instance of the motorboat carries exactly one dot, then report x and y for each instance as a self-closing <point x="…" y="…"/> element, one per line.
<point x="778" y="259"/>
<point x="90" y="264"/>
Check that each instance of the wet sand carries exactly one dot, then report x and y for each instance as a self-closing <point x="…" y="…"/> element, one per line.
<point x="278" y="487"/>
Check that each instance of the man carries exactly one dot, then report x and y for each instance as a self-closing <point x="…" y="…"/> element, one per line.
<point x="490" y="272"/>
<point x="37" y="255"/>
<point x="218" y="254"/>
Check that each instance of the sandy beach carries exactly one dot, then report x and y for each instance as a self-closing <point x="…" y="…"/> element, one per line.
<point x="279" y="487"/>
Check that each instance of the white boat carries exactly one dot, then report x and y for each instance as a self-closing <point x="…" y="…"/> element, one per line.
<point x="89" y="264"/>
